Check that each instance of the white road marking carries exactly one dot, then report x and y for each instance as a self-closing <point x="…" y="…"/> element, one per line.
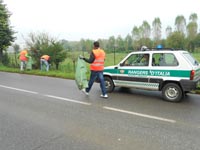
<point x="139" y="114"/>
<point x="17" y="89"/>
<point x="52" y="96"/>
<point x="69" y="100"/>
<point x="85" y="103"/>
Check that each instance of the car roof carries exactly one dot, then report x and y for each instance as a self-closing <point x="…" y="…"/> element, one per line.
<point x="160" y="51"/>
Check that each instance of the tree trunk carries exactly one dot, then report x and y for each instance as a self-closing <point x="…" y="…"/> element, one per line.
<point x="16" y="60"/>
<point x="57" y="65"/>
<point x="1" y="55"/>
<point x="74" y="65"/>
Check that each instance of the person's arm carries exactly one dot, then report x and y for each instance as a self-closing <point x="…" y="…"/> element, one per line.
<point x="27" y="56"/>
<point x="91" y="59"/>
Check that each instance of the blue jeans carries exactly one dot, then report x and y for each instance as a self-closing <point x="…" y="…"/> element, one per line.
<point x="23" y="65"/>
<point x="93" y="76"/>
<point x="44" y="62"/>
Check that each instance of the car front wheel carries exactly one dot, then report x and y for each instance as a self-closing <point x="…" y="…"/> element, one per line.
<point x="109" y="84"/>
<point x="172" y="92"/>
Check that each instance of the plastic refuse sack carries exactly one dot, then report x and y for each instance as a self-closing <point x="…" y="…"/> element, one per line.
<point x="29" y="64"/>
<point x="80" y="74"/>
<point x="44" y="67"/>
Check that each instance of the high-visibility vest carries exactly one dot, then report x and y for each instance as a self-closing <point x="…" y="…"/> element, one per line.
<point x="98" y="64"/>
<point x="46" y="57"/>
<point x="23" y="55"/>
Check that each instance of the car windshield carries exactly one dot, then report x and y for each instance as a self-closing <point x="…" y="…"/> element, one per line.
<point x="191" y="59"/>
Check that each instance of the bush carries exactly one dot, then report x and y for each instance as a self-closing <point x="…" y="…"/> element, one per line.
<point x="5" y="59"/>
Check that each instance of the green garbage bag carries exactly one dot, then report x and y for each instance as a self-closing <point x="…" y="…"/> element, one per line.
<point x="29" y="63"/>
<point x="80" y="74"/>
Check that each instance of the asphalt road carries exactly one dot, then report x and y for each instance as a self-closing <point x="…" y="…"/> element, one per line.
<point x="43" y="113"/>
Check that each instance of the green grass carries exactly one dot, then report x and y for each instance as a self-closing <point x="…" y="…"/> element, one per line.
<point x="51" y="73"/>
<point x="7" y="69"/>
<point x="66" y="69"/>
<point x="196" y="56"/>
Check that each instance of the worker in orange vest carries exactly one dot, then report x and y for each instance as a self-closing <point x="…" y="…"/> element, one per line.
<point x="45" y="60"/>
<point x="23" y="57"/>
<point x="96" y="60"/>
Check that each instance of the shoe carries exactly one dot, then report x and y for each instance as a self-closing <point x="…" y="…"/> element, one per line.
<point x="104" y="96"/>
<point x="84" y="91"/>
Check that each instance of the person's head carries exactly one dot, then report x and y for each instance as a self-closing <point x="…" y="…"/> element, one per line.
<point x="24" y="51"/>
<point x="144" y="48"/>
<point x="96" y="44"/>
<point x="146" y="56"/>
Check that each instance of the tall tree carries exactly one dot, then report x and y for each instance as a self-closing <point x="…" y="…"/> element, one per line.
<point x="145" y="33"/>
<point x="193" y="17"/>
<point x="135" y="33"/>
<point x="103" y="43"/>
<point x="89" y="45"/>
<point x="157" y="33"/>
<point x="42" y="43"/>
<point x="197" y="41"/>
<point x="120" y="43"/>
<point x="16" y="48"/>
<point x="111" y="43"/>
<point x="168" y="31"/>
<point x="128" y="42"/>
<point x="192" y="26"/>
<point x="145" y="30"/>
<point x="58" y="55"/>
<point x="180" y="23"/>
<point x="192" y="31"/>
<point x="176" y="40"/>
<point x="6" y="32"/>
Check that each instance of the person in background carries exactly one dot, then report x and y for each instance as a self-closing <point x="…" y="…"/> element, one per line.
<point x="23" y="57"/>
<point x="96" y="60"/>
<point x="145" y="60"/>
<point x="45" y="60"/>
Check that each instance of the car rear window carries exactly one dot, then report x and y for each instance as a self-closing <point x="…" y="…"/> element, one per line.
<point x="191" y="59"/>
<point x="164" y="59"/>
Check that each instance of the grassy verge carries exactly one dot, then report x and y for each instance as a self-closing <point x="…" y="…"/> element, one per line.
<point x="66" y="69"/>
<point x="58" y="74"/>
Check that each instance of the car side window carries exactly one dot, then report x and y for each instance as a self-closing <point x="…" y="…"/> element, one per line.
<point x="137" y="60"/>
<point x="164" y="59"/>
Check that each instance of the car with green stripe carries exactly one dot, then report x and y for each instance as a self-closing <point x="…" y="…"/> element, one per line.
<point x="174" y="72"/>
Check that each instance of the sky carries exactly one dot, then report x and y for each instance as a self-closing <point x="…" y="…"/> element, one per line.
<point x="73" y="20"/>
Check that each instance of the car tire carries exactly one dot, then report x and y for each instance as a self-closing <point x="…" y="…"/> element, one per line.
<point x="109" y="84"/>
<point x="172" y="92"/>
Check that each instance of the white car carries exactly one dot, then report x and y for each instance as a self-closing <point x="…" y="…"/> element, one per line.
<point x="174" y="72"/>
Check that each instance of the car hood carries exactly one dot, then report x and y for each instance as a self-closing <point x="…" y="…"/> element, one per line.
<point x="109" y="67"/>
